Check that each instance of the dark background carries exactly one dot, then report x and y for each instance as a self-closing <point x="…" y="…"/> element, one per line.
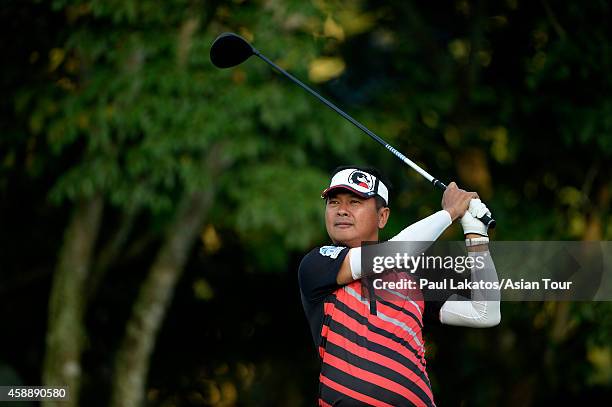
<point x="114" y="106"/>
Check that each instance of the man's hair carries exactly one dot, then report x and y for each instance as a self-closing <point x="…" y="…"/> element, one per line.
<point x="380" y="203"/>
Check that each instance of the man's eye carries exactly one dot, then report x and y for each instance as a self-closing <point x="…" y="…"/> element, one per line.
<point x="355" y="201"/>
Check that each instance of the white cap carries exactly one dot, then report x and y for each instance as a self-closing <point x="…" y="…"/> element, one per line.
<point x="360" y="182"/>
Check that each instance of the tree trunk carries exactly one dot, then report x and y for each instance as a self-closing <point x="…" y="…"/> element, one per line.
<point x="108" y="253"/>
<point x="65" y="330"/>
<point x="132" y="359"/>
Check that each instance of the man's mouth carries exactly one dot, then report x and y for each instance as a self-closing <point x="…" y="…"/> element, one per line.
<point x="343" y="225"/>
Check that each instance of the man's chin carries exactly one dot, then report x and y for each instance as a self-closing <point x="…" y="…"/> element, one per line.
<point x="340" y="240"/>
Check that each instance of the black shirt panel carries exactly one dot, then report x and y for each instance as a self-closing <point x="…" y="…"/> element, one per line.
<point x="317" y="278"/>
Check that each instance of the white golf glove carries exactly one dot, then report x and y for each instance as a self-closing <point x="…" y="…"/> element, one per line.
<point x="469" y="221"/>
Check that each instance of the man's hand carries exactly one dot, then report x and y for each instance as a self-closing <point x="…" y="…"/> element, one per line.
<point x="456" y="201"/>
<point x="470" y="222"/>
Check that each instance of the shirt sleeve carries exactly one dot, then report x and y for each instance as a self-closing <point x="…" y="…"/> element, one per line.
<point x="318" y="272"/>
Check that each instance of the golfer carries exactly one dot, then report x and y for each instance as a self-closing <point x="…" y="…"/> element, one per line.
<point x="372" y="350"/>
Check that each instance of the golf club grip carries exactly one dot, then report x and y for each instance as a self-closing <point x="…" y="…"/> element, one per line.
<point x="486" y="219"/>
<point x="489" y="221"/>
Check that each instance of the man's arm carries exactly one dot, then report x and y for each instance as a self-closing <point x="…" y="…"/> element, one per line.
<point x="483" y="310"/>
<point x="455" y="202"/>
<point x="318" y="271"/>
<point x="344" y="274"/>
<point x="426" y="230"/>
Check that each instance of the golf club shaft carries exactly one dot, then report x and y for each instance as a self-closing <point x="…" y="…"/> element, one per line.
<point x="437" y="183"/>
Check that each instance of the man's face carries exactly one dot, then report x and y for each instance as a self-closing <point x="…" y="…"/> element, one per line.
<point x="350" y="219"/>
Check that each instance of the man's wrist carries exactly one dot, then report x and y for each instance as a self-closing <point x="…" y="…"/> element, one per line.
<point x="476" y="243"/>
<point x="473" y="235"/>
<point x="451" y="212"/>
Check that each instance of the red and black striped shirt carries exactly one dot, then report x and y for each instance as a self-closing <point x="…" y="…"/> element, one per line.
<point x="370" y="346"/>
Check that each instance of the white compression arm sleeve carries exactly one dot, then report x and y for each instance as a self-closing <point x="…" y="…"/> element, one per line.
<point x="426" y="230"/>
<point x="477" y="313"/>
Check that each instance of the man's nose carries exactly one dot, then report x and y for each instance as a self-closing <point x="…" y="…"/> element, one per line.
<point x="343" y="209"/>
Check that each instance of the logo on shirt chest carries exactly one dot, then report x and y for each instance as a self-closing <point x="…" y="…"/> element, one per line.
<point x="330" y="251"/>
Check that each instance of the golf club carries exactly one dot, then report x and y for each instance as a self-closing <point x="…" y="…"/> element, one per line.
<point x="230" y="49"/>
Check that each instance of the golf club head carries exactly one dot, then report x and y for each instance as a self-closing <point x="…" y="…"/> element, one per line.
<point x="229" y="50"/>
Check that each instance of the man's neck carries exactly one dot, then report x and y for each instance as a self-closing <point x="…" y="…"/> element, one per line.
<point x="358" y="243"/>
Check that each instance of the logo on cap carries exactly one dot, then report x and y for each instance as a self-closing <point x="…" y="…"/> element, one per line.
<point x="361" y="179"/>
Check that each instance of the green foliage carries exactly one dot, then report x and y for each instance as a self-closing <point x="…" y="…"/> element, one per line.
<point x="140" y="102"/>
<point x="279" y="201"/>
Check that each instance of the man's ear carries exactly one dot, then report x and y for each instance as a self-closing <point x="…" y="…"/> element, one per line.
<point x="383" y="217"/>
